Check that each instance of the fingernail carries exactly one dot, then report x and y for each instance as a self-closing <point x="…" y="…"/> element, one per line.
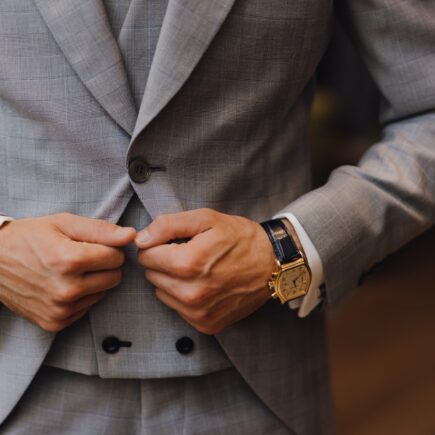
<point x="143" y="236"/>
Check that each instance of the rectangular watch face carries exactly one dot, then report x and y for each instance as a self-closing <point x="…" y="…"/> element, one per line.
<point x="294" y="283"/>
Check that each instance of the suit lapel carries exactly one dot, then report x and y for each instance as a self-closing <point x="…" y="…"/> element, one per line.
<point x="82" y="31"/>
<point x="188" y="29"/>
<point x="83" y="34"/>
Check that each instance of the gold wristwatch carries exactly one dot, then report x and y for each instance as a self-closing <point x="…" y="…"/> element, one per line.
<point x="292" y="278"/>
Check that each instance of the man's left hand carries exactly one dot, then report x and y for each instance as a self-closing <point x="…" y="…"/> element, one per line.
<point x="215" y="278"/>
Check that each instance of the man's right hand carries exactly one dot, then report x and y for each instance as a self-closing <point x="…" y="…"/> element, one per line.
<point x="54" y="268"/>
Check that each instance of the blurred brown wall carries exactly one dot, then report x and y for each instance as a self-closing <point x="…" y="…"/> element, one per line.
<point x="382" y="348"/>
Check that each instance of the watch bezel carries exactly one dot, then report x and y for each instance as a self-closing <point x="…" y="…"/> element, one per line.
<point x="282" y="269"/>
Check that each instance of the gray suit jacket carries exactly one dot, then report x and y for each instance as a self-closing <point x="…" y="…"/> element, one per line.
<point x="225" y="110"/>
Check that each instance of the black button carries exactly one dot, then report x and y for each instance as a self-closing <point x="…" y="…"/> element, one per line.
<point x="184" y="345"/>
<point x="139" y="170"/>
<point x="113" y="344"/>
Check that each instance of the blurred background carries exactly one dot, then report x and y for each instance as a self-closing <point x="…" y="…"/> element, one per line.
<point x="382" y="339"/>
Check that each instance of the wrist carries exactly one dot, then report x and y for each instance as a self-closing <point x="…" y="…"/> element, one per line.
<point x="292" y="278"/>
<point x="314" y="261"/>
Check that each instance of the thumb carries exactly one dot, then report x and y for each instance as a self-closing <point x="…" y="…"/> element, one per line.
<point x="170" y="227"/>
<point x="83" y="229"/>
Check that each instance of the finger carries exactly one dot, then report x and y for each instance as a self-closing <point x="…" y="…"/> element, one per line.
<point x="83" y="229"/>
<point x="97" y="282"/>
<point x="87" y="284"/>
<point x="165" y="282"/>
<point x="175" y="305"/>
<point x="63" y="311"/>
<point x="163" y="258"/>
<point x="49" y="323"/>
<point x="186" y="294"/>
<point x="196" y="317"/>
<point x="207" y="321"/>
<point x="83" y="303"/>
<point x="204" y="328"/>
<point x="169" y="227"/>
<point x="186" y="260"/>
<point x="89" y="257"/>
<point x="171" y="302"/>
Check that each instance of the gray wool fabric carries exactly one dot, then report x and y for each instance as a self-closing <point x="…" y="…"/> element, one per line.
<point x="132" y="312"/>
<point x="60" y="402"/>
<point x="218" y="93"/>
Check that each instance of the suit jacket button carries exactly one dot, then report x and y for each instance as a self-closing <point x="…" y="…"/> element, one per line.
<point x="139" y="170"/>
<point x="184" y="345"/>
<point x="111" y="344"/>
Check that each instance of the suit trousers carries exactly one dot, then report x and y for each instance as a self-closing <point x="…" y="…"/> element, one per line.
<point x="61" y="402"/>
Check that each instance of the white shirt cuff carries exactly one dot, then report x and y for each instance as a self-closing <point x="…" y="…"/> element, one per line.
<point x="312" y="298"/>
<point x="4" y="219"/>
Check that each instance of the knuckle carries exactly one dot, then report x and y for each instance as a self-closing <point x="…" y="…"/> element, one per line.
<point x="70" y="262"/>
<point x="159" y="294"/>
<point x="201" y="316"/>
<point x="52" y="326"/>
<point x="67" y="293"/>
<point x="208" y="213"/>
<point x="190" y="266"/>
<point x="121" y="257"/>
<point x="60" y="312"/>
<point x="64" y="261"/>
<point x="143" y="256"/>
<point x="208" y="329"/>
<point x="148" y="275"/>
<point x="194" y="298"/>
<point x="118" y="258"/>
<point x="51" y="261"/>
<point x="183" y="269"/>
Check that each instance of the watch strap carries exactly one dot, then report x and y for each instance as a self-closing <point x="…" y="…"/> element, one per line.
<point x="283" y="244"/>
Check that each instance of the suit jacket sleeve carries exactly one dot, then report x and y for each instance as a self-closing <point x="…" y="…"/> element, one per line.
<point x="366" y="212"/>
